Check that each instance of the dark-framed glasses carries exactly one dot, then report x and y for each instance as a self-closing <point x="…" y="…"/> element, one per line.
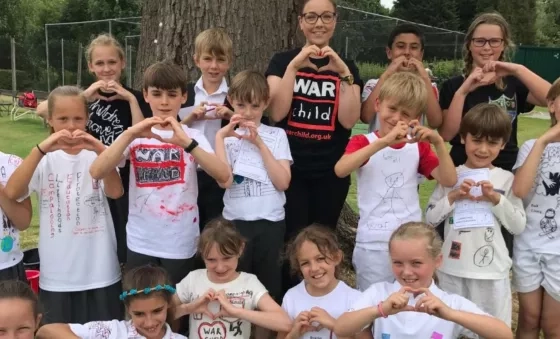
<point x="494" y="42"/>
<point x="312" y="17"/>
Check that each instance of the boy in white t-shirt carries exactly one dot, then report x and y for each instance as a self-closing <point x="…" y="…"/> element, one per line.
<point x="163" y="220"/>
<point x="15" y="217"/>
<point x="405" y="50"/>
<point x="259" y="157"/>
<point x="388" y="162"/>
<point x="476" y="261"/>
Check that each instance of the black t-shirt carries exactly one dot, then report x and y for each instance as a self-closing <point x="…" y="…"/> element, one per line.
<point x="513" y="99"/>
<point x="109" y="119"/>
<point x="316" y="137"/>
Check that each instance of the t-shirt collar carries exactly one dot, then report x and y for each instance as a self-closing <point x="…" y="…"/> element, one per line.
<point x="223" y="89"/>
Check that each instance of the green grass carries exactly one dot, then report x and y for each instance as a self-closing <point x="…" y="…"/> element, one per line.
<point x="20" y="136"/>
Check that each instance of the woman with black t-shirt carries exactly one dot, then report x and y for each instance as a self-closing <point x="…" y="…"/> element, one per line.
<point x="488" y="79"/>
<point x="315" y="97"/>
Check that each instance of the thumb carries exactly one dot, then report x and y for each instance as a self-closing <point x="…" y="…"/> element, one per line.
<point x="408" y="308"/>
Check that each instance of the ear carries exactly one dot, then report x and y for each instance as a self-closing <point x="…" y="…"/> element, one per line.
<point x="438" y="260"/>
<point x="462" y="140"/>
<point x="184" y="97"/>
<point x="196" y="58"/>
<point x="38" y="320"/>
<point x="389" y="53"/>
<point x="377" y="104"/>
<point x="90" y="67"/>
<point x="338" y="257"/>
<point x="145" y="92"/>
<point x="241" y="250"/>
<point x="550" y="104"/>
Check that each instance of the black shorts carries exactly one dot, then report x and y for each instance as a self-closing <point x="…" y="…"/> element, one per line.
<point x="16" y="272"/>
<point x="177" y="269"/>
<point x="119" y="213"/>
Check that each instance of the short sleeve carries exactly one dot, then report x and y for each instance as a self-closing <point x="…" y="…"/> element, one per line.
<point x="368" y="298"/>
<point x="35" y="182"/>
<point x="352" y="298"/>
<point x="522" y="93"/>
<point x="436" y="91"/>
<point x="356" y="73"/>
<point x="258" y="291"/>
<point x="283" y="148"/>
<point x="356" y="143"/>
<point x="277" y="66"/>
<point x="446" y="94"/>
<point x="96" y="329"/>
<point x="368" y="88"/>
<point x="428" y="160"/>
<point x="523" y="153"/>
<point x="183" y="288"/>
<point x="285" y="306"/>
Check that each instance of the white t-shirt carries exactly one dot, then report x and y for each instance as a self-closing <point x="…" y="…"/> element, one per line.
<point x="414" y="325"/>
<point x="163" y="210"/>
<point x="338" y="301"/>
<point x="208" y="127"/>
<point x="10" y="251"/>
<point x="114" y="329"/>
<point x="245" y="193"/>
<point x="478" y="253"/>
<point x="77" y="243"/>
<point x="541" y="204"/>
<point x="245" y="292"/>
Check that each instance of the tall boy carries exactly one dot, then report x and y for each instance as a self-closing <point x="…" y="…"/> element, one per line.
<point x="405" y="50"/>
<point x="387" y="162"/>
<point x="207" y="109"/>
<point x="163" y="220"/>
<point x="476" y="261"/>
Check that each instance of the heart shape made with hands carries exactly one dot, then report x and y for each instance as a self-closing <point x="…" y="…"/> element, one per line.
<point x="163" y="133"/>
<point x="488" y="78"/>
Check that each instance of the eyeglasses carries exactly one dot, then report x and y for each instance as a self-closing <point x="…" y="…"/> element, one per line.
<point x="312" y="17"/>
<point x="494" y="42"/>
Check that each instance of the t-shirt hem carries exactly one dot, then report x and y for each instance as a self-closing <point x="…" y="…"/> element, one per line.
<point x="162" y="255"/>
<point x="232" y="217"/>
<point x="12" y="263"/>
<point x="373" y="246"/>
<point x="480" y="276"/>
<point x="79" y="288"/>
<point x="536" y="250"/>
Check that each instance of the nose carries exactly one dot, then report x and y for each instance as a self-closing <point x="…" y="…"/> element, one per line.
<point x="313" y="266"/>
<point x="164" y="99"/>
<point x="214" y="63"/>
<point x="149" y="321"/>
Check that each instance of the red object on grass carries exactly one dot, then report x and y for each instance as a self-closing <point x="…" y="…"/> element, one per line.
<point x="33" y="278"/>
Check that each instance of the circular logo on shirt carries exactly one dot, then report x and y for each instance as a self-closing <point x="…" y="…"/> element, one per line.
<point x="7" y="244"/>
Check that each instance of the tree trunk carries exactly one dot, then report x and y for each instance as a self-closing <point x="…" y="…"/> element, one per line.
<point x="346" y="233"/>
<point x="258" y="28"/>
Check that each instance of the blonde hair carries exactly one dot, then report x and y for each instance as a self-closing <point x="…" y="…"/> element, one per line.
<point x="249" y="87"/>
<point x="214" y="41"/>
<point x="552" y="94"/>
<point x="407" y="89"/>
<point x="419" y="231"/>
<point x="65" y="91"/>
<point x="104" y="40"/>
<point x="492" y="18"/>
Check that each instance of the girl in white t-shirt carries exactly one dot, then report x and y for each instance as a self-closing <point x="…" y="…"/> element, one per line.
<point x="147" y="297"/>
<point x="77" y="242"/>
<point x="316" y="302"/>
<point x="222" y="302"/>
<point x="413" y="306"/>
<point x="20" y="314"/>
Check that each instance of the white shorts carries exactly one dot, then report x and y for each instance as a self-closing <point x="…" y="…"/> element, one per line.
<point x="532" y="270"/>
<point x="492" y="296"/>
<point x="371" y="267"/>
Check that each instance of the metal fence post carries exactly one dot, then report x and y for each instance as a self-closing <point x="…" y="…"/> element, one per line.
<point x="80" y="57"/>
<point x="14" y="72"/>
<point x="62" y="51"/>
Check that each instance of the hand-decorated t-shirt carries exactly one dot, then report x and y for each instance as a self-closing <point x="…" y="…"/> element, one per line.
<point x="244" y="292"/>
<point x="163" y="210"/>
<point x="115" y="329"/>
<point x="10" y="251"/>
<point x="316" y="137"/>
<point x="542" y="203"/>
<point x="338" y="301"/>
<point x="77" y="243"/>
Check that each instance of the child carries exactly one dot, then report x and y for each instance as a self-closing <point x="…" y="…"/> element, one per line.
<point x="208" y="110"/>
<point x="477" y="263"/>
<point x="387" y="162"/>
<point x="77" y="242"/>
<point x="315" y="303"/>
<point x="20" y="314"/>
<point x="112" y="108"/>
<point x="221" y="301"/>
<point x="429" y="312"/>
<point x="405" y="50"/>
<point x="16" y="217"/>
<point x="263" y="185"/>
<point x="536" y="253"/>
<point x="163" y="216"/>
<point x="147" y="297"/>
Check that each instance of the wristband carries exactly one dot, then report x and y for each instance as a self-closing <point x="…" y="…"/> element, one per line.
<point x="40" y="150"/>
<point x="380" y="309"/>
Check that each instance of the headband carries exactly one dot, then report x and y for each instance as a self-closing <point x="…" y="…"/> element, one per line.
<point x="147" y="290"/>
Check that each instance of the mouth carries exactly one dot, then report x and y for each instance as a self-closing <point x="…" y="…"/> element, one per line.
<point x="318" y="276"/>
<point x="410" y="281"/>
<point x="151" y="330"/>
<point x="486" y="56"/>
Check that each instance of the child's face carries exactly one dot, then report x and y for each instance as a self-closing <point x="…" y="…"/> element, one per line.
<point x="481" y="151"/>
<point x="554" y="107"/>
<point x="390" y="114"/>
<point x="68" y="113"/>
<point x="316" y="268"/>
<point x="412" y="264"/>
<point x="407" y="44"/>
<point x="106" y="63"/>
<point x="249" y="111"/>
<point x="165" y="103"/>
<point x="149" y="316"/>
<point x="213" y="68"/>
<point x="17" y="319"/>
<point x="318" y="33"/>
<point x="486" y="53"/>
<point x="221" y="268"/>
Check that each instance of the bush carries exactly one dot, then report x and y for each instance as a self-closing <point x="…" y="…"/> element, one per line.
<point x="23" y="80"/>
<point x="443" y="69"/>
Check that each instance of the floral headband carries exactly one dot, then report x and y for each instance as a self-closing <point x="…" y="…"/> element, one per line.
<point x="147" y="290"/>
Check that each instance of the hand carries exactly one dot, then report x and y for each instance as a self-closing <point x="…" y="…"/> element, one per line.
<point x="121" y="93"/>
<point x="398" y="134"/>
<point x="301" y="325"/>
<point x="302" y="59"/>
<point x="432" y="305"/>
<point x="61" y="140"/>
<point x="200" y="305"/>
<point x="229" y="129"/>
<point x="179" y="137"/>
<point x="397" y="302"/>
<point x="463" y="191"/>
<point x="418" y="66"/>
<point x="476" y="79"/>
<point x="252" y="135"/>
<point x="551" y="135"/>
<point x="488" y="193"/>
<point x="227" y="310"/>
<point x="423" y="133"/>
<point x="501" y="68"/>
<point x="143" y="129"/>
<point x="87" y="142"/>
<point x="321" y="316"/>
<point x="398" y="64"/>
<point x="223" y="112"/>
<point x="335" y="64"/>
<point x="92" y="92"/>
<point x="199" y="112"/>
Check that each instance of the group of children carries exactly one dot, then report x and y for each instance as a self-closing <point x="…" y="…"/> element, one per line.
<point x="199" y="177"/>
